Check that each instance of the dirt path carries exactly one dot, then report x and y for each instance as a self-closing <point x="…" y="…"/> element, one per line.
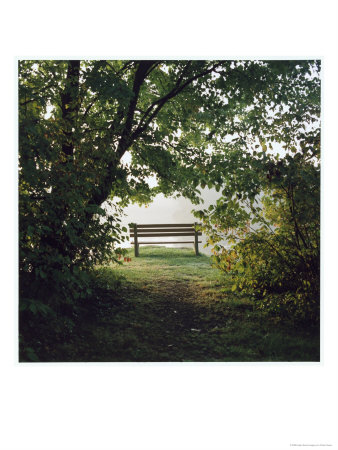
<point x="180" y="310"/>
<point x="172" y="306"/>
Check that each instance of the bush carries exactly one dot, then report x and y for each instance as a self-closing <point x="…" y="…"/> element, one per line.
<point x="270" y="245"/>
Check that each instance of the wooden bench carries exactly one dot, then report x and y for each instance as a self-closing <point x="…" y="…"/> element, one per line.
<point x="163" y="230"/>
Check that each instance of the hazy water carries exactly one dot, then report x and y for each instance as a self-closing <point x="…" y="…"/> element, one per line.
<point x="169" y="210"/>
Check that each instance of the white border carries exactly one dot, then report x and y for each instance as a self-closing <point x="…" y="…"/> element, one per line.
<point x="195" y="406"/>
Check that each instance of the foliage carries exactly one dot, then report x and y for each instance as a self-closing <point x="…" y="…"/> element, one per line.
<point x="61" y="234"/>
<point x="265" y="227"/>
<point x="185" y="122"/>
<point x="44" y="329"/>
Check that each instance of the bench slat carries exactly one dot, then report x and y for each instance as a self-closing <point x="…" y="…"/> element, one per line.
<point x="164" y="225"/>
<point x="168" y="242"/>
<point x="163" y="230"/>
<point x="186" y="233"/>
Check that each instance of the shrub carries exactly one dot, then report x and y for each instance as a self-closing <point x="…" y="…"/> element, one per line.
<point x="270" y="244"/>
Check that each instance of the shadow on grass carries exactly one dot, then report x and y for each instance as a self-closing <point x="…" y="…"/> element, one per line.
<point x="169" y="306"/>
<point x="172" y="325"/>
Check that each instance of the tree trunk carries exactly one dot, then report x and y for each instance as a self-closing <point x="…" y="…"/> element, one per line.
<point x="70" y="105"/>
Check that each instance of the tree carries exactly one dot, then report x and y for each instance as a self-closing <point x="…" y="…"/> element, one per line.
<point x="79" y="118"/>
<point x="265" y="226"/>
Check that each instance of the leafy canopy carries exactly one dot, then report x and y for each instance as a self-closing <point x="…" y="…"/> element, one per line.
<point x="189" y="123"/>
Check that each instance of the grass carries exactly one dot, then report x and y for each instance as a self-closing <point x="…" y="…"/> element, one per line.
<point x="170" y="305"/>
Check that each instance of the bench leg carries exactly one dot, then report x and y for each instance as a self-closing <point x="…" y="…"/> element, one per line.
<point x="196" y="242"/>
<point x="136" y="246"/>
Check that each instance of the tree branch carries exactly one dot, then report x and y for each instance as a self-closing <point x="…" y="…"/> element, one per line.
<point x="143" y="69"/>
<point x="70" y="105"/>
<point x="158" y="104"/>
<point x="101" y="194"/>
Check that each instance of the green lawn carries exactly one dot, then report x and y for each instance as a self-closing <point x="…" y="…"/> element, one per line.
<point x="173" y="306"/>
